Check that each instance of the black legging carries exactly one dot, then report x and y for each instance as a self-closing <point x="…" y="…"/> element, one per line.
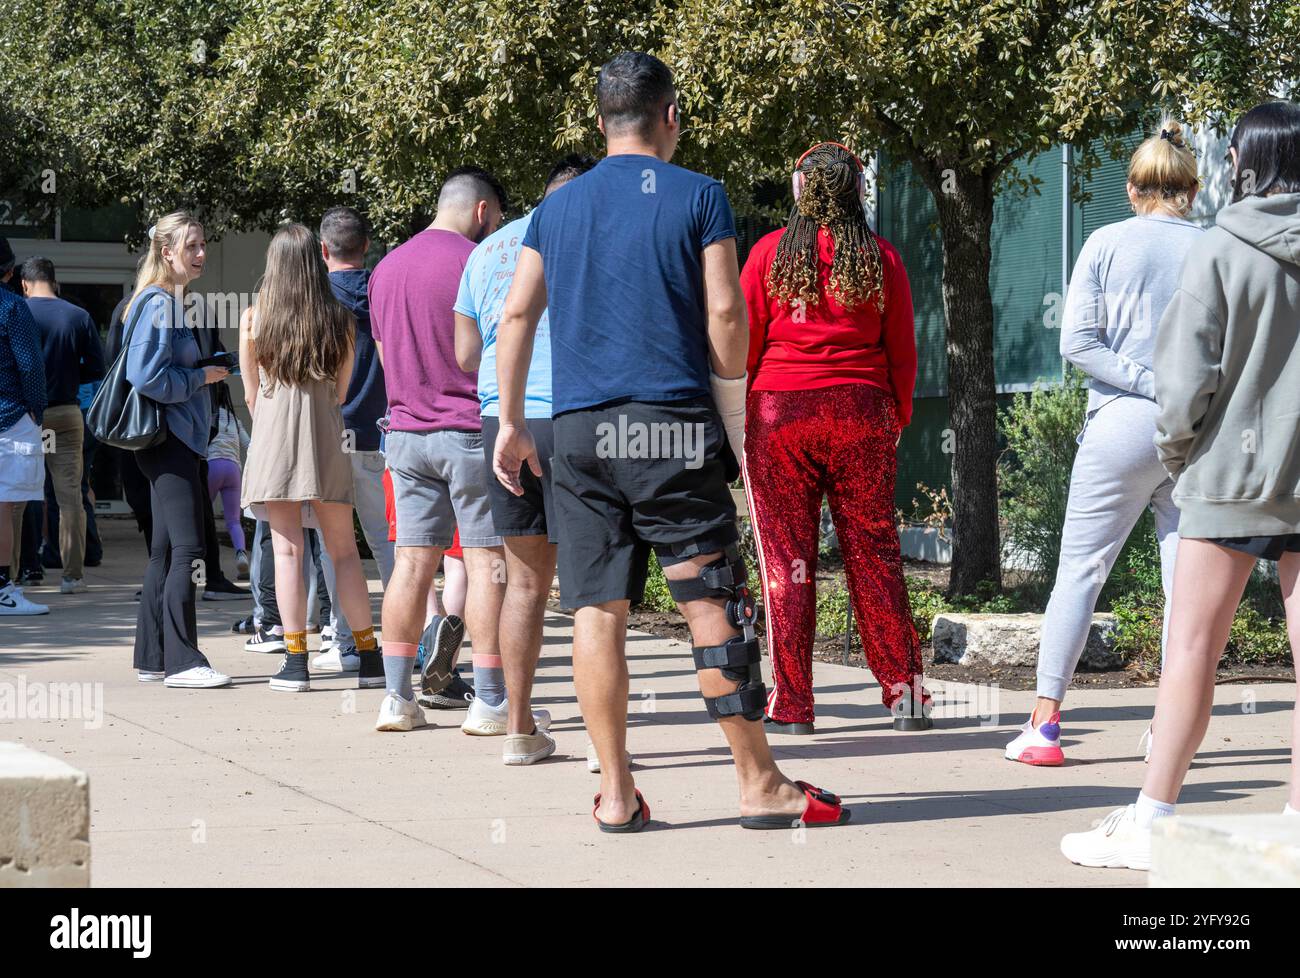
<point x="166" y="635"/>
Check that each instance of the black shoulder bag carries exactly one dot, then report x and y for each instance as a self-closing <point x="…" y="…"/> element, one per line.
<point x="120" y="415"/>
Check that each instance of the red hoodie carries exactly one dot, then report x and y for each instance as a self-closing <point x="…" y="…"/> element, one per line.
<point x="833" y="345"/>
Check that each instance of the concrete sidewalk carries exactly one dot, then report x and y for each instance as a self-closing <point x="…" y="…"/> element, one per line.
<point x="249" y="787"/>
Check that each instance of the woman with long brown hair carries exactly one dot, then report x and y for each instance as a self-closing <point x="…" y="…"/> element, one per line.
<point x="832" y="364"/>
<point x="295" y="353"/>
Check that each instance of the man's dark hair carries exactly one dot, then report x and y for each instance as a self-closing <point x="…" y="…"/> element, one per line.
<point x="565" y="169"/>
<point x="472" y="183"/>
<point x="39" y="269"/>
<point x="632" y="91"/>
<point x="1267" y="141"/>
<point x="344" y="232"/>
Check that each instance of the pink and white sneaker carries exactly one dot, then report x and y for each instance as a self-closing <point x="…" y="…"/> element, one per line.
<point x="1039" y="746"/>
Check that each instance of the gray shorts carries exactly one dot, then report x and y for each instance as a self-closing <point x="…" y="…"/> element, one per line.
<point x="440" y="485"/>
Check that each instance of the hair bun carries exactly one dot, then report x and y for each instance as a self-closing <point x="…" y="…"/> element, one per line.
<point x="1173" y="132"/>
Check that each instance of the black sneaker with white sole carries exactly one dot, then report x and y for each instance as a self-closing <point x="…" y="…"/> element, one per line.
<point x="265" y="640"/>
<point x="441" y="641"/>
<point x="245" y="626"/>
<point x="457" y="696"/>
<point x="371" y="673"/>
<point x="292" y="677"/>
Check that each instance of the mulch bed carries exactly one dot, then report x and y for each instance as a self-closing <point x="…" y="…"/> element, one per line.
<point x="670" y="625"/>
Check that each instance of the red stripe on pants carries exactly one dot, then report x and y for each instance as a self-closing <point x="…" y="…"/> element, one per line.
<point x="836" y="442"/>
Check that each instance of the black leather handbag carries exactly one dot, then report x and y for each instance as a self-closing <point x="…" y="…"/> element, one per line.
<point x="120" y="415"/>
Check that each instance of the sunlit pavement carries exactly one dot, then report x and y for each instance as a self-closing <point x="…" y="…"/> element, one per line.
<point x="247" y="786"/>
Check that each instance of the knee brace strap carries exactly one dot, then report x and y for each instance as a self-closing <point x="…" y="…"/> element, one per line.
<point x="739" y="661"/>
<point x="735" y="658"/>
<point x="749" y="701"/>
<point x="723" y="578"/>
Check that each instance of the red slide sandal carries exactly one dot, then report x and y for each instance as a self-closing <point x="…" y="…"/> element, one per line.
<point x="634" y="824"/>
<point x="823" y="808"/>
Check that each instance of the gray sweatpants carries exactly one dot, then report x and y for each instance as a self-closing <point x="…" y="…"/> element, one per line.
<point x="1116" y="475"/>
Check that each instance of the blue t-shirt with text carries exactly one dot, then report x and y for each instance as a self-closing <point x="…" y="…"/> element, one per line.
<point x="483" y="288"/>
<point x="620" y="249"/>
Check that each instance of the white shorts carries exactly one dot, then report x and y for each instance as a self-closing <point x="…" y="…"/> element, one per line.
<point x="22" y="463"/>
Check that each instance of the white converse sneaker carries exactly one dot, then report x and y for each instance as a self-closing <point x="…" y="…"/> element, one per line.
<point x="14" y="602"/>
<point x="199" y="677"/>
<point x="1039" y="746"/>
<point x="147" y="676"/>
<point x="490" y="721"/>
<point x="400" y="715"/>
<point x="1118" y="842"/>
<point x="337" y="660"/>
<point x="527" y="748"/>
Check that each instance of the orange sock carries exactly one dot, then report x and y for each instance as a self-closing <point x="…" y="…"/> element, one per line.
<point x="364" y="639"/>
<point x="295" y="642"/>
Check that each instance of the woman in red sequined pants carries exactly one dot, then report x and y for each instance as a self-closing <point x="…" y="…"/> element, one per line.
<point x="832" y="365"/>
<point x="838" y="442"/>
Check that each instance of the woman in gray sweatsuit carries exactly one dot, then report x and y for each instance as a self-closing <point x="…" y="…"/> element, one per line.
<point x="1125" y="275"/>
<point x="1228" y="384"/>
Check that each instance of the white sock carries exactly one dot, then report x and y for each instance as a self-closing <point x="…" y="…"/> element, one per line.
<point x="1148" y="810"/>
<point x="1288" y="810"/>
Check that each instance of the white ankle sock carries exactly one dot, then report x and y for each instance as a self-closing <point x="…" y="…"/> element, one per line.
<point x="1148" y="810"/>
<point x="1288" y="810"/>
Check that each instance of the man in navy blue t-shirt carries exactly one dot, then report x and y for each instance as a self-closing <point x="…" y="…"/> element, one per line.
<point x="635" y="263"/>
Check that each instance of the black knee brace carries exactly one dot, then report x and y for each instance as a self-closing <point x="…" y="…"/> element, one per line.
<point x="739" y="658"/>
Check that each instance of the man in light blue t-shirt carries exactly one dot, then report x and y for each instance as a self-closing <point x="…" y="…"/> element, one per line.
<point x="526" y="523"/>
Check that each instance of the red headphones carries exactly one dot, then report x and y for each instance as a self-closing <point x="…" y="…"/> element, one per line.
<point x="797" y="178"/>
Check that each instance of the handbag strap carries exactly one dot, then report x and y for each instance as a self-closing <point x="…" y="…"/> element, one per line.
<point x="136" y="310"/>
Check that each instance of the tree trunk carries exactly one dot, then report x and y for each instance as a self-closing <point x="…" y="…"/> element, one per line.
<point x="964" y="202"/>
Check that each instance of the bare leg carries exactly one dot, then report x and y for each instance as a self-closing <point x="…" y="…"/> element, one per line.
<point x="530" y="568"/>
<point x="407" y="593"/>
<point x="349" y="578"/>
<point x="764" y="790"/>
<point x="285" y="520"/>
<point x="485" y="568"/>
<point x="455" y="585"/>
<point x="1288" y="572"/>
<point x="1208" y="583"/>
<point x="600" y="678"/>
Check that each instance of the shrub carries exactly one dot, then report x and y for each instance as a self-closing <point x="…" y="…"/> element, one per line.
<point x="926" y="601"/>
<point x="1040" y="429"/>
<point x="832" y="610"/>
<point x="657" y="597"/>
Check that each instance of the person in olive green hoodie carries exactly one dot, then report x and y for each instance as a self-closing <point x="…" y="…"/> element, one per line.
<point x="1227" y="380"/>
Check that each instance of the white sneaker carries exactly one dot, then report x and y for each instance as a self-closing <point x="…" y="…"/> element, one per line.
<point x="14" y="602"/>
<point x="1144" y="744"/>
<point x="527" y="748"/>
<point x="1288" y="810"/>
<point x="199" y="677"/>
<point x="490" y="721"/>
<point x="337" y="660"/>
<point x="146" y="676"/>
<point x="241" y="562"/>
<point x="400" y="715"/>
<point x="593" y="759"/>
<point x="1038" y="746"/>
<point x="328" y="639"/>
<point x="71" y="585"/>
<point x="1118" y="842"/>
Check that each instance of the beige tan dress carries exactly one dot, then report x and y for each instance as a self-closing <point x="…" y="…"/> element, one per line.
<point x="297" y="447"/>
